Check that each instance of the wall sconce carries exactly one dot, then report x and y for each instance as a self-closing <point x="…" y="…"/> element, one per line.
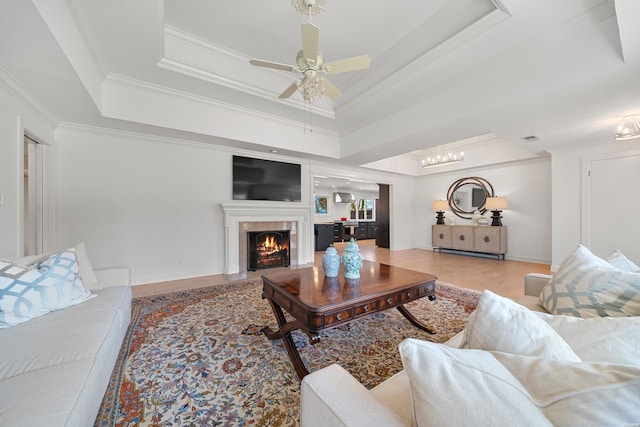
<point x="495" y="205"/>
<point x="440" y="206"/>
<point x="629" y="128"/>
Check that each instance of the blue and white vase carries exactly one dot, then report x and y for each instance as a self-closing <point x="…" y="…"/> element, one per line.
<point x="352" y="260"/>
<point x="331" y="262"/>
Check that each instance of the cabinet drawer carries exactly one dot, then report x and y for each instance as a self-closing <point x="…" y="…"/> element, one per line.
<point x="338" y="316"/>
<point x="462" y="238"/>
<point x="440" y="236"/>
<point x="487" y="240"/>
<point x="367" y="308"/>
<point x="409" y="295"/>
<point x="388" y="301"/>
<point x="429" y="289"/>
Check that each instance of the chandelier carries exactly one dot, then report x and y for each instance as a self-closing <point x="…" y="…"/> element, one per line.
<point x="440" y="157"/>
<point x="629" y="128"/>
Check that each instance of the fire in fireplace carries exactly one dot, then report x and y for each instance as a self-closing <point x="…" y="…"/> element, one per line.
<point x="268" y="249"/>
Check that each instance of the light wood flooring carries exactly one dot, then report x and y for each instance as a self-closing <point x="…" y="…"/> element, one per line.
<point x="504" y="277"/>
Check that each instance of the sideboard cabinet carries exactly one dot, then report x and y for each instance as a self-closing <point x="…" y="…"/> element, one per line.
<point x="470" y="238"/>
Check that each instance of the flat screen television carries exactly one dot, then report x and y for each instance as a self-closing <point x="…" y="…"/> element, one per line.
<point x="260" y="179"/>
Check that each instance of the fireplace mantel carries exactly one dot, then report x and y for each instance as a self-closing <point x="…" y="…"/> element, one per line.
<point x="238" y="213"/>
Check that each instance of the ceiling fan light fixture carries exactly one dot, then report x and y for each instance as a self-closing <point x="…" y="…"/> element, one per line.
<point x="310" y="89"/>
<point x="309" y="7"/>
<point x="629" y="128"/>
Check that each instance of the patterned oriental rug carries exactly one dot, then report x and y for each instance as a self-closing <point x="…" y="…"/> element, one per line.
<point x="198" y="358"/>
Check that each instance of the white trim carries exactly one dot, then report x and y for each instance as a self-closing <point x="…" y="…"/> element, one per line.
<point x="236" y="213"/>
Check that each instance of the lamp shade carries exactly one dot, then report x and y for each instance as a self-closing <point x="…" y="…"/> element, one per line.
<point x="496" y="203"/>
<point x="439" y="205"/>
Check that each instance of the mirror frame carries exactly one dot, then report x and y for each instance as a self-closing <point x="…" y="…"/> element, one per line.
<point x="473" y="180"/>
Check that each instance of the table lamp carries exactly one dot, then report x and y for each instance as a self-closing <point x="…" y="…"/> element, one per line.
<point x="440" y="206"/>
<point x="495" y="205"/>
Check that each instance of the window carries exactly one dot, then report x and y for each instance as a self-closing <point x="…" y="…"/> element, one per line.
<point x="363" y="209"/>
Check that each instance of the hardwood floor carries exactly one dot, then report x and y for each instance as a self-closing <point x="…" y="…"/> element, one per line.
<point x="504" y="277"/>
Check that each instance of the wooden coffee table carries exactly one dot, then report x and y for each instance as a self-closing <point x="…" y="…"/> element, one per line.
<point x="318" y="303"/>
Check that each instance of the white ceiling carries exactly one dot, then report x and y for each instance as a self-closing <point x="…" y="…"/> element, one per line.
<point x="478" y="73"/>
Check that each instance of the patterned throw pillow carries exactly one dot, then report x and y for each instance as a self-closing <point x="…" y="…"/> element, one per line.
<point x="27" y="292"/>
<point x="618" y="260"/>
<point x="588" y="286"/>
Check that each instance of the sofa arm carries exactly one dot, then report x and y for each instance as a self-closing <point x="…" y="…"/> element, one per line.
<point x="332" y="397"/>
<point x="114" y="276"/>
<point x="534" y="282"/>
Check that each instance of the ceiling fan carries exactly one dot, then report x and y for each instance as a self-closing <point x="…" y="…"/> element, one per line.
<point x="310" y="64"/>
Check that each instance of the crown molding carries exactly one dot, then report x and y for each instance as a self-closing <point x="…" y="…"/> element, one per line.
<point x="193" y="56"/>
<point x="27" y="98"/>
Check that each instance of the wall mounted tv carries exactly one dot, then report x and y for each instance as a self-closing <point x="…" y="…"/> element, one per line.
<point x="259" y="179"/>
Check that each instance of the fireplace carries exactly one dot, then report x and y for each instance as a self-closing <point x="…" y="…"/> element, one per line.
<point x="241" y="218"/>
<point x="267" y="249"/>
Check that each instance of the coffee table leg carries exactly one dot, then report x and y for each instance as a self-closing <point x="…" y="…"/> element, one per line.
<point x="411" y="318"/>
<point x="284" y="332"/>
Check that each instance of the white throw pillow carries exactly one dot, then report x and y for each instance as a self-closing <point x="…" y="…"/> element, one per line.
<point x="599" y="339"/>
<point x="499" y="324"/>
<point x="462" y="387"/>
<point x="588" y="286"/>
<point x="27" y="292"/>
<point x="86" y="270"/>
<point x="618" y="260"/>
<point x="579" y="394"/>
<point x="452" y="386"/>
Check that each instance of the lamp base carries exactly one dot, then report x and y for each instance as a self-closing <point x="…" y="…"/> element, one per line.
<point x="440" y="218"/>
<point x="497" y="219"/>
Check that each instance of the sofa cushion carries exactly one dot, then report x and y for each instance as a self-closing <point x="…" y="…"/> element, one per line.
<point x="500" y="324"/>
<point x="600" y="339"/>
<point x="588" y="286"/>
<point x="474" y="387"/>
<point x="35" y="345"/>
<point x="31" y="291"/>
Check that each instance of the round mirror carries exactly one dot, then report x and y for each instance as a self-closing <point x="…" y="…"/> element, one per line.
<point x="469" y="194"/>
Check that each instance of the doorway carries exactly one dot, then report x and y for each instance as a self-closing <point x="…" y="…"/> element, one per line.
<point x="33" y="197"/>
<point x="610" y="206"/>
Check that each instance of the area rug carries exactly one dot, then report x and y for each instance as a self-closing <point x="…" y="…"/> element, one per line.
<point x="198" y="358"/>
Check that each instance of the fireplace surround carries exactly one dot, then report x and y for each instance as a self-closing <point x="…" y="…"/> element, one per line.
<point x="240" y="218"/>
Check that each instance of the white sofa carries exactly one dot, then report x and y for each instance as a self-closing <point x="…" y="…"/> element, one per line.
<point x="332" y="397"/>
<point x="54" y="369"/>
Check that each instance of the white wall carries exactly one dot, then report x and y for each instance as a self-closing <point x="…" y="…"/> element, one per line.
<point x="567" y="193"/>
<point x="526" y="184"/>
<point x="15" y="118"/>
<point x="143" y="202"/>
<point x="155" y="204"/>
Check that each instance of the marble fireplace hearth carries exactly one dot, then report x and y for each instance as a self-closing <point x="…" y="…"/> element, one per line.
<point x="240" y="218"/>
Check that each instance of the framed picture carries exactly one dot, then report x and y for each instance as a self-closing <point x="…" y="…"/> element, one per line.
<point x="321" y="205"/>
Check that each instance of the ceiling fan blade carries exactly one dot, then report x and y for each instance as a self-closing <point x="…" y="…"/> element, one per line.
<point x="310" y="37"/>
<point x="289" y="91"/>
<point x="350" y="64"/>
<point x="275" y="65"/>
<point x="330" y="90"/>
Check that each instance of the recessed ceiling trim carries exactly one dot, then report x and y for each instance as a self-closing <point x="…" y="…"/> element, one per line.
<point x="190" y="55"/>
<point x="418" y="68"/>
<point x="147" y="103"/>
